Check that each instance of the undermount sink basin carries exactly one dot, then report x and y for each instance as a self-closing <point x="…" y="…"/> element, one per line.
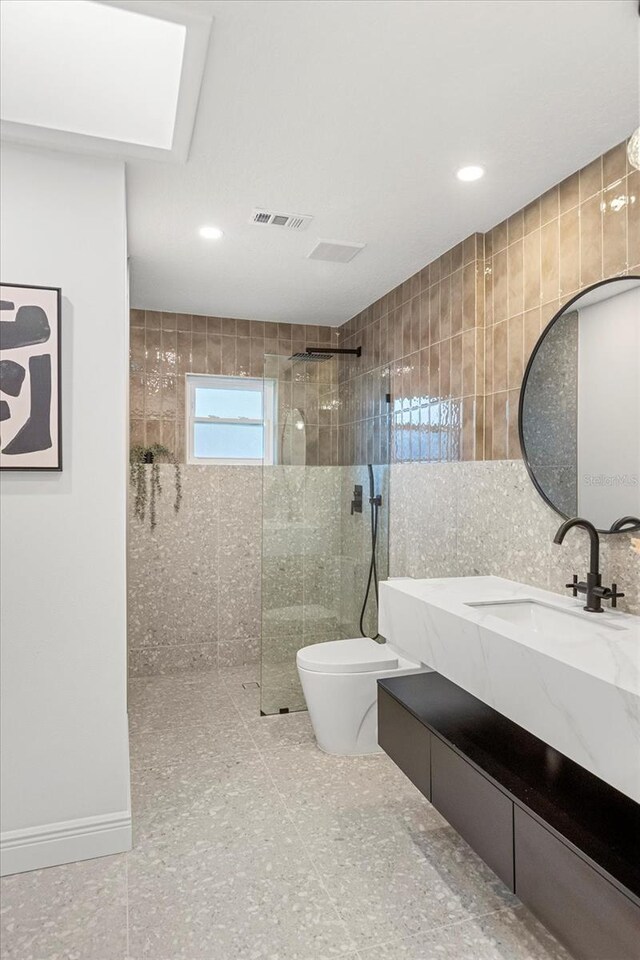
<point x="570" y="677"/>
<point x="553" y="622"/>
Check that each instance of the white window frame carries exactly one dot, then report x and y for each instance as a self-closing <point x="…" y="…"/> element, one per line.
<point x="268" y="422"/>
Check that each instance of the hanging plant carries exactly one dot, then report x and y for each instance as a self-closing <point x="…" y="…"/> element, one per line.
<point x="146" y="496"/>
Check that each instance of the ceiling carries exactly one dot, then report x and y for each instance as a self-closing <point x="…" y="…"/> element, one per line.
<point x="359" y="113"/>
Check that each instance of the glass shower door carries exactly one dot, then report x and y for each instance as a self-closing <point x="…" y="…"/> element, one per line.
<point x="316" y="552"/>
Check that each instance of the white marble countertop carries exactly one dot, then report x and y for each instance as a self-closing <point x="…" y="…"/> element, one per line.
<point x="605" y="645"/>
<point x="577" y="687"/>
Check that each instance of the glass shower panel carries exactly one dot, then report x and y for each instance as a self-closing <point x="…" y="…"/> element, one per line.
<point x="316" y="552"/>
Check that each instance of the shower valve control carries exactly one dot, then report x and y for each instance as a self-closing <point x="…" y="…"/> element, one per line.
<point x="356" y="503"/>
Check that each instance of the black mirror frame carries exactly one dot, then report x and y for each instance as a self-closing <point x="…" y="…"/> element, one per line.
<point x="534" y="352"/>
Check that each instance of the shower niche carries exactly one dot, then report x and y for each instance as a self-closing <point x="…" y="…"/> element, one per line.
<point x="316" y="553"/>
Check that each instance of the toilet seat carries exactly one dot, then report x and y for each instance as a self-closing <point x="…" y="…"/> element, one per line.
<point x="357" y="655"/>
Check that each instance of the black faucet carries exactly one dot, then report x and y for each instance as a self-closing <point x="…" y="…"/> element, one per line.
<point x="593" y="589"/>
<point x="633" y="523"/>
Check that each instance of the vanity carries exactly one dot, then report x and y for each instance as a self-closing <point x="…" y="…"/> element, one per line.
<point x="523" y="730"/>
<point x="564" y="842"/>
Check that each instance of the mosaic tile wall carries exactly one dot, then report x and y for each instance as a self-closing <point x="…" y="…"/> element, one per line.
<point x="166" y="346"/>
<point x="451" y="342"/>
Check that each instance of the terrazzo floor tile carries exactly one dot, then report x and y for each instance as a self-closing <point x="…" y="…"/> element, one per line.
<point x="213" y="737"/>
<point x="76" y="912"/>
<point x="252" y="836"/>
<point x="187" y="784"/>
<point x="252" y="844"/>
<point x="345" y="837"/>
<point x="510" y="934"/>
<point x="383" y="900"/>
<point x="195" y="914"/>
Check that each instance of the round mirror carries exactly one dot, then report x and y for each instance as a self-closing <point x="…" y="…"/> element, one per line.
<point x="579" y="417"/>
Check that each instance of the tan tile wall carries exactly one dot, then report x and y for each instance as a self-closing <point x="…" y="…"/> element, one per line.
<point x="450" y="343"/>
<point x="420" y="343"/>
<point x="583" y="230"/>
<point x="166" y="346"/>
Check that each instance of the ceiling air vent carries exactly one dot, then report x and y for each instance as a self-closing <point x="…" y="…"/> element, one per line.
<point x="335" y="251"/>
<point x="290" y="221"/>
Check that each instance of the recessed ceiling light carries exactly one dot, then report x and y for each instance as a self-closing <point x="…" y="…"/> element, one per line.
<point x="210" y="233"/>
<point x="467" y="174"/>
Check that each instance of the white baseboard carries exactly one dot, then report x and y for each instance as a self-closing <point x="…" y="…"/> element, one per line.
<point x="66" y="842"/>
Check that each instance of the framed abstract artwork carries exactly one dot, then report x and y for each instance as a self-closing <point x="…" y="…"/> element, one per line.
<point x="30" y="387"/>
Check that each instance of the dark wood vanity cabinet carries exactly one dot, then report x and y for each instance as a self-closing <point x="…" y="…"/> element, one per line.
<point x="406" y="741"/>
<point x="480" y="812"/>
<point x="579" y="905"/>
<point x="564" y="841"/>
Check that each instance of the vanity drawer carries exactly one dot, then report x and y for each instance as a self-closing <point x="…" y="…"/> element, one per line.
<point x="405" y="740"/>
<point x="480" y="812"/>
<point x="582" y="908"/>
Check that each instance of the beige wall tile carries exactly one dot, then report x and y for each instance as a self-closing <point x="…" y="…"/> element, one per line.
<point x="445" y="369"/>
<point x="468" y="363"/>
<point x="214" y="353"/>
<point x="531" y="332"/>
<point x="499" y="377"/>
<point x="614" y="164"/>
<point x="569" y="253"/>
<point x="569" y="192"/>
<point x="590" y="241"/>
<point x="456" y="366"/>
<point x="550" y="261"/>
<point x="614" y="229"/>
<point x="469" y="248"/>
<point x="590" y="179"/>
<point x="515" y="340"/>
<point x="515" y="227"/>
<point x="445" y="307"/>
<point x="469" y="304"/>
<point x="549" y="205"/>
<point x="515" y="278"/>
<point x="500" y="286"/>
<point x="205" y="324"/>
<point x="199" y="353"/>
<point x="532" y="216"/>
<point x="532" y="269"/>
<point x="499" y="237"/>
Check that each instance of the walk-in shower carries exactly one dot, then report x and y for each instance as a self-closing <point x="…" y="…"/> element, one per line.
<point x="321" y="560"/>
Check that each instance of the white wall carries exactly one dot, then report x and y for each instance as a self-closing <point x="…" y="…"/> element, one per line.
<point x="65" y="764"/>
<point x="609" y="409"/>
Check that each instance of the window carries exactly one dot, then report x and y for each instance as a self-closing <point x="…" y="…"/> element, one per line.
<point x="230" y="419"/>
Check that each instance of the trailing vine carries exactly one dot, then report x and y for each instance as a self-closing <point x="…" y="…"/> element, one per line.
<point x="146" y="496"/>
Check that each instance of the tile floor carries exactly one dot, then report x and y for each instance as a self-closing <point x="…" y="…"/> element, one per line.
<point x="250" y="844"/>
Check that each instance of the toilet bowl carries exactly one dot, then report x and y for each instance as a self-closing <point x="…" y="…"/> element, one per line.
<point x="339" y="683"/>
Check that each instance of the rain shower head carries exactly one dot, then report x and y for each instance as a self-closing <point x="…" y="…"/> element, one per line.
<point x="320" y="354"/>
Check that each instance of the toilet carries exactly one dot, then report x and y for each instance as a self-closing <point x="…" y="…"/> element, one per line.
<point x="339" y="681"/>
